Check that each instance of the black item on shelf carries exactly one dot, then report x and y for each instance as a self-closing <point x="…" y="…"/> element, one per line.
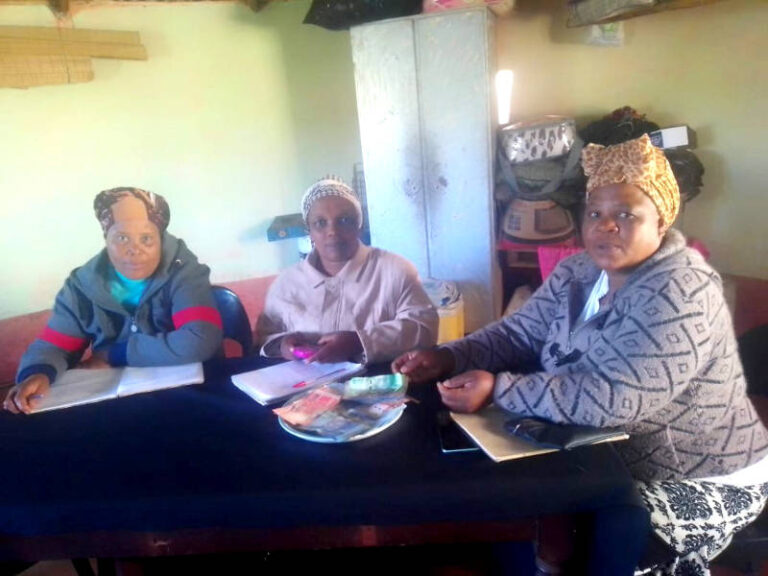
<point x="619" y="126"/>
<point x="342" y="14"/>
<point x="688" y="171"/>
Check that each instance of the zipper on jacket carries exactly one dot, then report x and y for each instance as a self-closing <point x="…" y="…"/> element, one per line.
<point x="572" y="331"/>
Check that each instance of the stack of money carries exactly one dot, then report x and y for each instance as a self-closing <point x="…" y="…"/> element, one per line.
<point x="342" y="411"/>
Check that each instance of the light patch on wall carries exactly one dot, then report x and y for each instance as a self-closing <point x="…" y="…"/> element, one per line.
<point x="505" y="80"/>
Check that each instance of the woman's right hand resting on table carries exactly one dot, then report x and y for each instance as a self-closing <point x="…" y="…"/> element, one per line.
<point x="23" y="397"/>
<point x="424" y="365"/>
<point x="467" y="392"/>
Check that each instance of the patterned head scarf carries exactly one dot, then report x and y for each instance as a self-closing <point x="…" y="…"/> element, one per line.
<point x="636" y="162"/>
<point x="330" y="186"/>
<point x="158" y="211"/>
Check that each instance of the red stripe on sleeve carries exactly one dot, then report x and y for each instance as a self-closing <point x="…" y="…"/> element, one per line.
<point x="63" y="341"/>
<point x="197" y="314"/>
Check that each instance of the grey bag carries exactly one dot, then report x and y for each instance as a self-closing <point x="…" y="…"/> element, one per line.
<point x="563" y="171"/>
<point x="546" y="137"/>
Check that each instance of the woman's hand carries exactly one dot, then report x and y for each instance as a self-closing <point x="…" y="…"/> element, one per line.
<point x="293" y="340"/>
<point x="467" y="392"/>
<point x="337" y="347"/>
<point x="96" y="361"/>
<point x="424" y="365"/>
<point x="23" y="397"/>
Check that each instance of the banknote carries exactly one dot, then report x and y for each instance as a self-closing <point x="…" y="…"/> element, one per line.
<point x="368" y="412"/>
<point x="337" y="426"/>
<point x="304" y="409"/>
<point x="373" y="388"/>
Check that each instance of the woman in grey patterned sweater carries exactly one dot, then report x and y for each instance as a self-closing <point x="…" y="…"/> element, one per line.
<point x="633" y="332"/>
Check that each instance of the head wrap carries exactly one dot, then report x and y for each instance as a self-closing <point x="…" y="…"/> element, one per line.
<point x="330" y="186"/>
<point x="158" y="211"/>
<point x="637" y="162"/>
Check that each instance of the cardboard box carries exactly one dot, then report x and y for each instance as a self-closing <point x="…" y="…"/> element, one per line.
<point x="674" y="137"/>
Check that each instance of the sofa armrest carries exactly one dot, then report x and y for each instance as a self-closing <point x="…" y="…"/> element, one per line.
<point x="16" y="334"/>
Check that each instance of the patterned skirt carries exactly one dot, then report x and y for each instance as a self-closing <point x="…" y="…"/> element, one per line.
<point x="698" y="519"/>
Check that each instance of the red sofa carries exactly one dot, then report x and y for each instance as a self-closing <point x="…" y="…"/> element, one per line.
<point x="17" y="332"/>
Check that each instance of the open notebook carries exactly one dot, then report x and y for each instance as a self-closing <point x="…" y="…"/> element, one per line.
<point x="79" y="386"/>
<point x="274" y="383"/>
<point x="487" y="429"/>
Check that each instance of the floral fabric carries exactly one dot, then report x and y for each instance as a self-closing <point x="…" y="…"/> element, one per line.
<point x="698" y="519"/>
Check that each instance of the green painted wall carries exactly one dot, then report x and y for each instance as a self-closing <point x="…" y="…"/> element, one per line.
<point x="234" y="114"/>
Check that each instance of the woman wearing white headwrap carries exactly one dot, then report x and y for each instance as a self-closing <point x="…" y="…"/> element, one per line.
<point x="346" y="301"/>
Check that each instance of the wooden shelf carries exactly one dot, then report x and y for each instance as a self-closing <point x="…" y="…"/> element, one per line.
<point x="588" y="13"/>
<point x="522" y="258"/>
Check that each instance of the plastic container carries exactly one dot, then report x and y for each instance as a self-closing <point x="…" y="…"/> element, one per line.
<point x="446" y="298"/>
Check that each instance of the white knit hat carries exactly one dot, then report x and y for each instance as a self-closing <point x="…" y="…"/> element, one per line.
<point x="330" y="186"/>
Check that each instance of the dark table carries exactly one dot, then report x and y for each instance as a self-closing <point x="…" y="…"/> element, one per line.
<point x="204" y="468"/>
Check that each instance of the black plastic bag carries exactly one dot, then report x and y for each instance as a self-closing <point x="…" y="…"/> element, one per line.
<point x="619" y="126"/>
<point x="341" y="14"/>
<point x="688" y="171"/>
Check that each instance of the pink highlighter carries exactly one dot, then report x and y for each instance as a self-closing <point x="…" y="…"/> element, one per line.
<point x="304" y="352"/>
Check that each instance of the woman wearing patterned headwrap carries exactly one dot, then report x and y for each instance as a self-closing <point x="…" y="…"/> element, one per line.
<point x="144" y="300"/>
<point x="634" y="332"/>
<point x="346" y="301"/>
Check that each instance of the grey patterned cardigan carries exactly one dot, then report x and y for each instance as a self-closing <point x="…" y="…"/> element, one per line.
<point x="662" y="362"/>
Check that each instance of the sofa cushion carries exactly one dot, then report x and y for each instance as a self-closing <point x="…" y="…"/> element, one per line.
<point x="16" y="334"/>
<point x="252" y="293"/>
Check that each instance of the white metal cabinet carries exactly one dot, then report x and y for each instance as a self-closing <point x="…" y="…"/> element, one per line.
<point x="424" y="106"/>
